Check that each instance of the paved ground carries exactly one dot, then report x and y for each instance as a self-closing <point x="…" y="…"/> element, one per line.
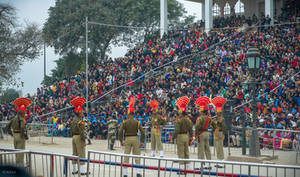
<point x="63" y="145"/>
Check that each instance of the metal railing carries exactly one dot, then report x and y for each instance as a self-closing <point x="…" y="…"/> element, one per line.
<point x="41" y="133"/>
<point x="112" y="164"/>
<point x="277" y="141"/>
<point x="39" y="163"/>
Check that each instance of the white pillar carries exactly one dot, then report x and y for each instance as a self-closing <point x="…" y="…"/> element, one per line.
<point x="163" y="17"/>
<point x="208" y="15"/>
<point x="269" y="9"/>
<point x="203" y="11"/>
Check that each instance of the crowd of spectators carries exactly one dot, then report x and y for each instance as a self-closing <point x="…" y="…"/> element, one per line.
<point x="219" y="71"/>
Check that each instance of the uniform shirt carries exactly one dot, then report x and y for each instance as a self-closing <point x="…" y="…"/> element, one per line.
<point x="77" y="128"/>
<point x="131" y="127"/>
<point x="183" y="125"/>
<point x="112" y="125"/>
<point x="200" y="124"/>
<point x="217" y="124"/>
<point x="157" y="120"/>
<point x="17" y="124"/>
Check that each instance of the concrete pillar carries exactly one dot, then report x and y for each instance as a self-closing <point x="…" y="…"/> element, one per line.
<point x="269" y="9"/>
<point x="203" y="12"/>
<point x="163" y="17"/>
<point x="208" y="15"/>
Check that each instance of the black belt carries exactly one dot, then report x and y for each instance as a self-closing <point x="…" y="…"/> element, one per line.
<point x="16" y="131"/>
<point x="203" y="130"/>
<point x="76" y="134"/>
<point x="131" y="135"/>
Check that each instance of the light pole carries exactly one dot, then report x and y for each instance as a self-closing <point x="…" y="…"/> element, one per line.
<point x="86" y="67"/>
<point x="253" y="58"/>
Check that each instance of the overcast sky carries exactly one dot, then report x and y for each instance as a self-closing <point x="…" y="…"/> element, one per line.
<point x="36" y="11"/>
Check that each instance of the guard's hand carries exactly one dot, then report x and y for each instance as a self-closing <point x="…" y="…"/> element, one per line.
<point x="83" y="143"/>
<point x="141" y="144"/>
<point x="122" y="143"/>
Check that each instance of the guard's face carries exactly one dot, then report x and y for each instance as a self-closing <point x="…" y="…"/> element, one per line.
<point x="22" y="112"/>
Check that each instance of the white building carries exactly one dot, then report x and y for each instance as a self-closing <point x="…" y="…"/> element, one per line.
<point x="212" y="8"/>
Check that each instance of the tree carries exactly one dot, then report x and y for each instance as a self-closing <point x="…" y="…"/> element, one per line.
<point x="65" y="66"/>
<point x="65" y="27"/>
<point x="8" y="96"/>
<point x="17" y="44"/>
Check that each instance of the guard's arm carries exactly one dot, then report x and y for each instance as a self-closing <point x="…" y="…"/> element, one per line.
<point x="121" y="132"/>
<point x="82" y="131"/>
<point x="177" y="127"/>
<point x="197" y="127"/>
<point x="190" y="129"/>
<point x="8" y="128"/>
<point x="142" y="132"/>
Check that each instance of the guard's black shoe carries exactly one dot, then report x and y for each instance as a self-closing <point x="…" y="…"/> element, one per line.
<point x="75" y="172"/>
<point x="89" y="142"/>
<point x="125" y="176"/>
<point x="180" y="173"/>
<point x="85" y="173"/>
<point x="219" y="166"/>
<point x="138" y="175"/>
<point x="207" y="168"/>
<point x="111" y="147"/>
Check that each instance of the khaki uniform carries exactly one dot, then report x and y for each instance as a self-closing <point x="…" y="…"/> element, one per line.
<point x="77" y="129"/>
<point x="156" y="122"/>
<point x="203" y="138"/>
<point x="19" y="129"/>
<point x="219" y="129"/>
<point x="130" y="129"/>
<point x="183" y="134"/>
<point x="112" y="131"/>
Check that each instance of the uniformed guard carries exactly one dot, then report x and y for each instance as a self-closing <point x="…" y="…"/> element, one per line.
<point x="112" y="131"/>
<point x="156" y="122"/>
<point x="202" y="124"/>
<point x="183" y="131"/>
<point x="219" y="128"/>
<point x="130" y="128"/>
<point x="17" y="127"/>
<point x="78" y="134"/>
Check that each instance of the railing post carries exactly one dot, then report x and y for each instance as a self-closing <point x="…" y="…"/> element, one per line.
<point x="274" y="143"/>
<point x="228" y="142"/>
<point x="78" y="166"/>
<point x="51" y="165"/>
<point x="65" y="167"/>
<point x="121" y="173"/>
<point x="29" y="161"/>
<point x="88" y="163"/>
<point x="158" y="170"/>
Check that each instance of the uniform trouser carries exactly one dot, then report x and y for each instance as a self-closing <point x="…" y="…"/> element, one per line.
<point x="112" y="138"/>
<point x="78" y="148"/>
<point x="156" y="140"/>
<point x="203" y="146"/>
<point x="219" y="146"/>
<point x="183" y="147"/>
<point x="132" y="143"/>
<point x="19" y="143"/>
<point x="236" y="140"/>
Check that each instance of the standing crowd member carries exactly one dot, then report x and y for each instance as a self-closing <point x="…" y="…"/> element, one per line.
<point x="202" y="124"/>
<point x="183" y="132"/>
<point x="78" y="135"/>
<point x="156" y="121"/>
<point x="112" y="131"/>
<point x="219" y="128"/>
<point x="18" y="125"/>
<point x="130" y="128"/>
